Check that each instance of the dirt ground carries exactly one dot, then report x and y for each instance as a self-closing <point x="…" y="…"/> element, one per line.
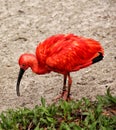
<point x="24" y="23"/>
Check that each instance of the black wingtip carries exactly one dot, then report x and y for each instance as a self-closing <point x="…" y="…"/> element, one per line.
<point x="98" y="58"/>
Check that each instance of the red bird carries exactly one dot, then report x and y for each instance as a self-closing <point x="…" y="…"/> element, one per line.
<point x="62" y="54"/>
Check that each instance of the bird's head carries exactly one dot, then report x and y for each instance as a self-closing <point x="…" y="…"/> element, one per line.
<point x="24" y="63"/>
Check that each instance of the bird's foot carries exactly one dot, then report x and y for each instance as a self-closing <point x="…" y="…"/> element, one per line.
<point x="64" y="96"/>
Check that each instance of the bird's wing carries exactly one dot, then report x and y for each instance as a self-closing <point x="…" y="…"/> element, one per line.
<point x="45" y="48"/>
<point x="73" y="54"/>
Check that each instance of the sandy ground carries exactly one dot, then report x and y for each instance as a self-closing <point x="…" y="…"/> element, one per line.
<point x="24" y="23"/>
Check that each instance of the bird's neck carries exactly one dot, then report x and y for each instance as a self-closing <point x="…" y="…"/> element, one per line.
<point x="36" y="68"/>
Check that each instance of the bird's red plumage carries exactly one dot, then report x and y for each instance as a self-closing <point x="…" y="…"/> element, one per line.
<point x="66" y="53"/>
<point x="63" y="54"/>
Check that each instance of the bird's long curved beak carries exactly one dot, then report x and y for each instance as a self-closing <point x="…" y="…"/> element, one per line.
<point x="21" y="72"/>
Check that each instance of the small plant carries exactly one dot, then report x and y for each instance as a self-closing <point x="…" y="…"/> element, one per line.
<point x="72" y="115"/>
<point x="107" y="99"/>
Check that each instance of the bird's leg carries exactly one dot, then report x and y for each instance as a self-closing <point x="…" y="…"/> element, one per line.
<point x="64" y="84"/>
<point x="69" y="86"/>
<point x="64" y="92"/>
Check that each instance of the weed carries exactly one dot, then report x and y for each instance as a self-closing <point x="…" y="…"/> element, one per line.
<point x="76" y="115"/>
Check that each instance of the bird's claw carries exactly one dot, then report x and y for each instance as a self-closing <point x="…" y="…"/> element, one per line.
<point x="64" y="96"/>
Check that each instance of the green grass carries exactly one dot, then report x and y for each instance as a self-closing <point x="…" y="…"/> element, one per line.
<point x="74" y="115"/>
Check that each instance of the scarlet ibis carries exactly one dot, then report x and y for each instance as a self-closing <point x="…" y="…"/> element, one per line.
<point x="62" y="53"/>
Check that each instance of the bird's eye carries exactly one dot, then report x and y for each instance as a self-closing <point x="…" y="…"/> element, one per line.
<point x="23" y="65"/>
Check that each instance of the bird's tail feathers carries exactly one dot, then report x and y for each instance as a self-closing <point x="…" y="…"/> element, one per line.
<point x="97" y="58"/>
